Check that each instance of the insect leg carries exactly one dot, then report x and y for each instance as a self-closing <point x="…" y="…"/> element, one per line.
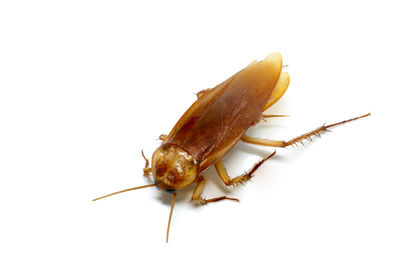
<point x="265" y="116"/>
<point x="146" y="169"/>
<point x="221" y="170"/>
<point x="163" y="137"/>
<point x="197" y="199"/>
<point x="298" y="139"/>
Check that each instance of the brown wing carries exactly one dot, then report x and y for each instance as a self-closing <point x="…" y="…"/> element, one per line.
<point x="220" y="116"/>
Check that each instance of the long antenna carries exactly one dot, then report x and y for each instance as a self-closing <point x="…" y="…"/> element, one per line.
<point x="125" y="190"/>
<point x="170" y="213"/>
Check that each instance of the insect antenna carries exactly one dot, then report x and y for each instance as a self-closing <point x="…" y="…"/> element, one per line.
<point x="125" y="190"/>
<point x="170" y="213"/>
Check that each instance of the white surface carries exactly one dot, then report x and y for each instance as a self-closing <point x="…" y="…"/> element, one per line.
<point x="85" y="85"/>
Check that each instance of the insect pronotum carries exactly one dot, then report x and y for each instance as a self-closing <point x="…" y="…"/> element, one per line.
<point x="215" y="122"/>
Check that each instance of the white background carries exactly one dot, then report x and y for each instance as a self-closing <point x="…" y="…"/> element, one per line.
<point x="85" y="85"/>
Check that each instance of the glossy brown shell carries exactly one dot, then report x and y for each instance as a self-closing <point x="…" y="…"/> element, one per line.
<point x="220" y="116"/>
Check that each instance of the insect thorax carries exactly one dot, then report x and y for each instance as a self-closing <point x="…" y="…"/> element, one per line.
<point x="173" y="168"/>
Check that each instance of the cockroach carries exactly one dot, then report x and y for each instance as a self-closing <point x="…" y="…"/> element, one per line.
<point x="213" y="124"/>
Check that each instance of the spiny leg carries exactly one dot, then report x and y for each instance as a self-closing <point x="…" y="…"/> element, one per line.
<point x="146" y="169"/>
<point x="221" y="170"/>
<point x="197" y="199"/>
<point x="298" y="139"/>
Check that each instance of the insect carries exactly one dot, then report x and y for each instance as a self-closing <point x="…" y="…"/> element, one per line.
<point x="214" y="123"/>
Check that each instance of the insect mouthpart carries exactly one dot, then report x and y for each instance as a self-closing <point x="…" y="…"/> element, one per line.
<point x="164" y="187"/>
<point x="173" y="168"/>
